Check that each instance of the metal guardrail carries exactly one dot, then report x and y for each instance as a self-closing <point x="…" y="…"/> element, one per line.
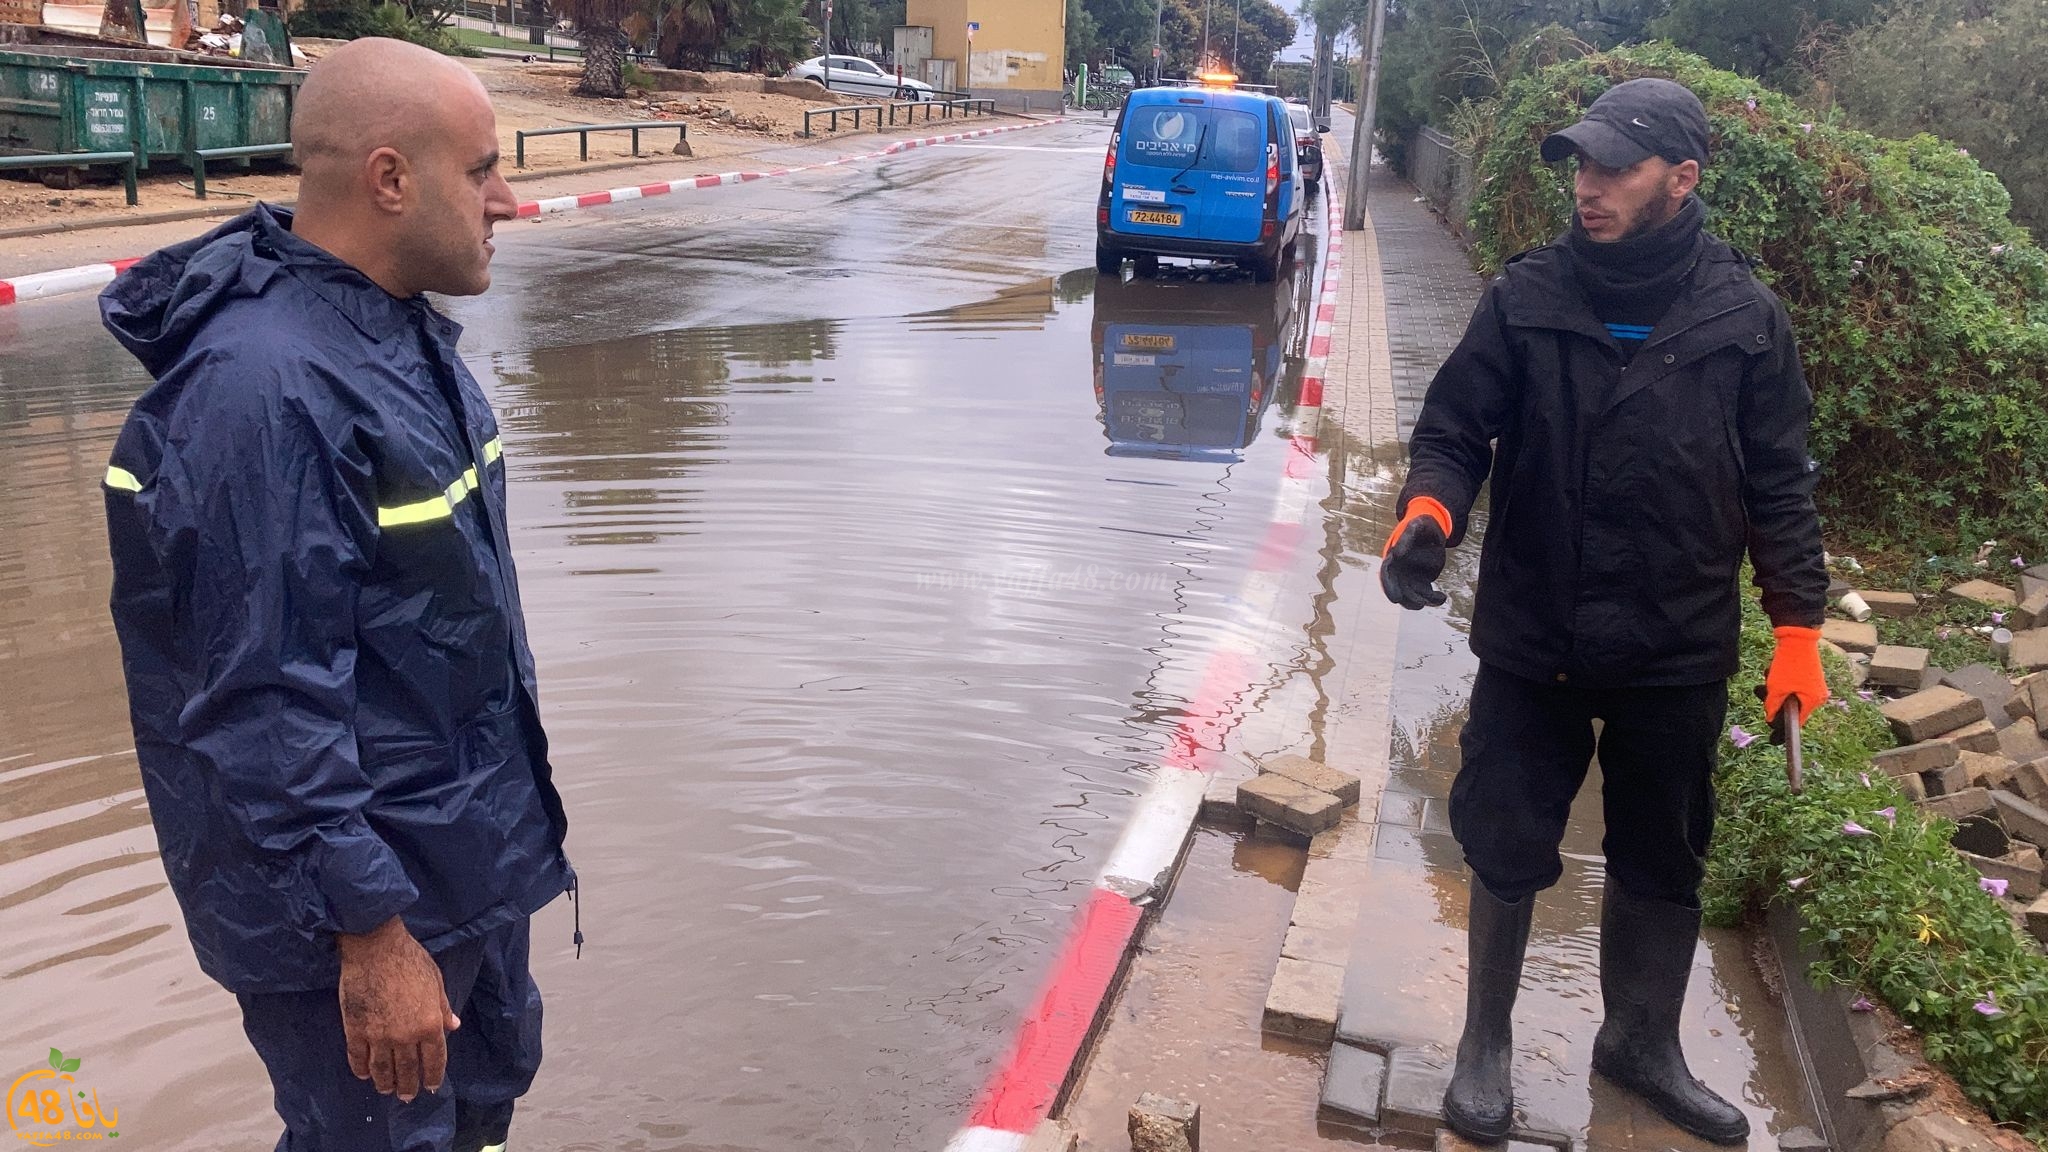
<point x="837" y="110"/>
<point x="196" y="159"/>
<point x="583" y="131"/>
<point x="947" y="108"/>
<point x="126" y="160"/>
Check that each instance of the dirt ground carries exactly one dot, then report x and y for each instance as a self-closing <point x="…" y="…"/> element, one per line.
<point x="526" y="96"/>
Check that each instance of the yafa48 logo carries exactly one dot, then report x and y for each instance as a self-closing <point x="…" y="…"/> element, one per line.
<point x="49" y="1106"/>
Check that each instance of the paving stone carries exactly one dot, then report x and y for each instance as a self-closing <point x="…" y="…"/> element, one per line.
<point x="1316" y="775"/>
<point x="1349" y="840"/>
<point x="1946" y="781"/>
<point x="2022" y="883"/>
<point x="1897" y="666"/>
<point x="1913" y="786"/>
<point x="1935" y="1132"/>
<point x="1317" y="945"/>
<point x="1159" y="1124"/>
<point x="2023" y="818"/>
<point x="1303" y="1000"/>
<point x="2037" y="919"/>
<point x="2032" y="780"/>
<point x="1402" y="809"/>
<point x="1977" y="737"/>
<point x="1850" y="635"/>
<point x="1924" y="715"/>
<point x="1987" y="770"/>
<point x="1986" y="593"/>
<point x="2020" y="706"/>
<point x="1987" y="684"/>
<point x="1961" y="804"/>
<point x="1890" y="605"/>
<point x="1981" y="835"/>
<point x="1326" y="907"/>
<point x="2021" y="743"/>
<point x="1290" y="805"/>
<point x="2029" y="651"/>
<point x="1052" y="1136"/>
<point x="1220" y="806"/>
<point x="1449" y="1141"/>
<point x="2035" y="688"/>
<point x="1416" y="1079"/>
<point x="2031" y="613"/>
<point x="1352" y="1085"/>
<point x="2033" y="582"/>
<point x="1913" y="759"/>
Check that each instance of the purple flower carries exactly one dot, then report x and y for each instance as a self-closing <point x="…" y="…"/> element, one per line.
<point x="2016" y="561"/>
<point x="1891" y="817"/>
<point x="1807" y="128"/>
<point x="1797" y="882"/>
<point x="1862" y="1004"/>
<point x="1941" y="633"/>
<point x="1740" y="738"/>
<point x="1989" y="1005"/>
<point x="1840" y="703"/>
<point x="1998" y="617"/>
<point x="1751" y="103"/>
<point x="1865" y="777"/>
<point x="1994" y="886"/>
<point x="1962" y="151"/>
<point x="1866" y="694"/>
<point x="1852" y="828"/>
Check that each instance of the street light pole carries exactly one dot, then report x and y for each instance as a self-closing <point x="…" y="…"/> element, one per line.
<point x="1158" y="58"/>
<point x="1361" y="133"/>
<point x="1236" y="30"/>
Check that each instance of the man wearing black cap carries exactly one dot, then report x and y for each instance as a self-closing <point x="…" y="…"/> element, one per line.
<point x="1635" y="396"/>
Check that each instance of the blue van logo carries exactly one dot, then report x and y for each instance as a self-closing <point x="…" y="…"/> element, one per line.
<point x="1164" y="138"/>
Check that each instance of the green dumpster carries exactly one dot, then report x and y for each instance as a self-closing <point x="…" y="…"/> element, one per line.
<point x="158" y="103"/>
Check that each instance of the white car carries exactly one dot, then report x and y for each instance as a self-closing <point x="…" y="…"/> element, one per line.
<point x="860" y="77"/>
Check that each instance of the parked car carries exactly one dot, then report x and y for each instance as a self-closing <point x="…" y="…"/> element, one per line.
<point x="1208" y="172"/>
<point x="1308" y="145"/>
<point x="858" y="76"/>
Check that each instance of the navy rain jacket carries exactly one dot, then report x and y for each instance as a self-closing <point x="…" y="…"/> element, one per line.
<point x="333" y="699"/>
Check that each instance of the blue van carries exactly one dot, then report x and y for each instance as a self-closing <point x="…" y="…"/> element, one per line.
<point x="1202" y="172"/>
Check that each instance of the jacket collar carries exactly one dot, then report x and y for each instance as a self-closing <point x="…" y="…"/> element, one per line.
<point x="375" y="313"/>
<point x="1544" y="293"/>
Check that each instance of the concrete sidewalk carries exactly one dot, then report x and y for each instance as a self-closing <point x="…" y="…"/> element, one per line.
<point x="1404" y="987"/>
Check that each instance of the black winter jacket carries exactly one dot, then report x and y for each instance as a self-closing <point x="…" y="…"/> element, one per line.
<point x="1625" y="492"/>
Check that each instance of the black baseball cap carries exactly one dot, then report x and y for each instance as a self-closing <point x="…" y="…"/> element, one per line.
<point x="1633" y="121"/>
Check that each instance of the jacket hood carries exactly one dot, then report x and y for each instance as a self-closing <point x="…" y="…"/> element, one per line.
<point x="158" y="306"/>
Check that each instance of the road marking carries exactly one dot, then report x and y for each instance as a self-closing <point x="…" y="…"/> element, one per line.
<point x="1021" y="148"/>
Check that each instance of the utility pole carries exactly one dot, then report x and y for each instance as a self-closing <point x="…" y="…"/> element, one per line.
<point x="828" y="44"/>
<point x="1158" y="57"/>
<point x="1361" y="133"/>
<point x="1204" y="62"/>
<point x="1236" y="29"/>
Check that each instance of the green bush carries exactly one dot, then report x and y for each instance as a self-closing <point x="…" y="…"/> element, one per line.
<point x="355" y="19"/>
<point x="1895" y="912"/>
<point x="1921" y="309"/>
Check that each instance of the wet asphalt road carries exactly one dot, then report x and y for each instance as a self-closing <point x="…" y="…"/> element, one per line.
<point x="865" y="577"/>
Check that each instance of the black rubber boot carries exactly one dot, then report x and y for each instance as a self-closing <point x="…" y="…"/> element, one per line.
<point x="1646" y="949"/>
<point x="1480" y="1103"/>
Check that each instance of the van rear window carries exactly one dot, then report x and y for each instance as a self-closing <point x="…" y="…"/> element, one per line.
<point x="1169" y="136"/>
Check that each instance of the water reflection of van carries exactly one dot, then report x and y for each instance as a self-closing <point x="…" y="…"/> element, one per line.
<point x="1185" y="370"/>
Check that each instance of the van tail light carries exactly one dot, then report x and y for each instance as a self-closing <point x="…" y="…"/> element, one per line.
<point x="1109" y="161"/>
<point x="1272" y="168"/>
<point x="1102" y="216"/>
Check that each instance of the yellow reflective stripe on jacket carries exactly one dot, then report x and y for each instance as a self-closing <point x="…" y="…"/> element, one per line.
<point x="122" y="479"/>
<point x="442" y="506"/>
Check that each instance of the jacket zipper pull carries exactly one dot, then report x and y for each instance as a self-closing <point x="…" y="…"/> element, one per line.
<point x="576" y="910"/>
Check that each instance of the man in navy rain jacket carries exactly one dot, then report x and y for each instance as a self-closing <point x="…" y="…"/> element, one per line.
<point x="327" y="666"/>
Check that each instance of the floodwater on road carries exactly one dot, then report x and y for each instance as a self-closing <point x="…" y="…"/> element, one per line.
<point x="856" y="636"/>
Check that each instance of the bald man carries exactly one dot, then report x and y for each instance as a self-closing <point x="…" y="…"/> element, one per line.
<point x="328" y="675"/>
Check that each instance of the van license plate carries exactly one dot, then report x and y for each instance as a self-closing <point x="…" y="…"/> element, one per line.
<point x="1167" y="219"/>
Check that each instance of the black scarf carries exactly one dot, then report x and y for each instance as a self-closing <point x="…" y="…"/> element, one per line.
<point x="1635" y="279"/>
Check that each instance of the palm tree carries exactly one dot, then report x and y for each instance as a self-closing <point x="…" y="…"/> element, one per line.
<point x="693" y="30"/>
<point x="600" y="25"/>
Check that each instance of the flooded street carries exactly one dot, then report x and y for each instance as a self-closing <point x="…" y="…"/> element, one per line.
<point x="867" y="545"/>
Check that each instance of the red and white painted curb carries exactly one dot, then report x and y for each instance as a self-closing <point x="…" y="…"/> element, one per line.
<point x="1024" y="1087"/>
<point x="86" y="277"/>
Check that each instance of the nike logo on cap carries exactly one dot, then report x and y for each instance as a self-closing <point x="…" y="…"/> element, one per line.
<point x="1637" y="121"/>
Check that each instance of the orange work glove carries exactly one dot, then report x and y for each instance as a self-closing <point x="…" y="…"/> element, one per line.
<point x="1414" y="555"/>
<point x="1795" y="673"/>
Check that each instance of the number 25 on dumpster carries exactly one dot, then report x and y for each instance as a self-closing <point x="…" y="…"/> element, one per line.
<point x="48" y="1106"/>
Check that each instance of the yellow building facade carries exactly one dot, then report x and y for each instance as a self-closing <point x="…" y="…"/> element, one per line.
<point x="1018" y="55"/>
